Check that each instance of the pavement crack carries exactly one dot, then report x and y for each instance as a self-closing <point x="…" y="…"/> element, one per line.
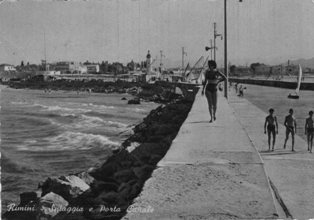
<point x="280" y="200"/>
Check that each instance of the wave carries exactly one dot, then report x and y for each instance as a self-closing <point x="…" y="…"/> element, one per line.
<point x="99" y="106"/>
<point x="20" y="103"/>
<point x="70" y="140"/>
<point x="64" y="109"/>
<point x="86" y="122"/>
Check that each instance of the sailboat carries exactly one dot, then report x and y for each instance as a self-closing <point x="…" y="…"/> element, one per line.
<point x="297" y="90"/>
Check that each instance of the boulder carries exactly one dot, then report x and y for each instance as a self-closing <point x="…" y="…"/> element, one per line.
<point x="28" y="197"/>
<point x="154" y="159"/>
<point x="143" y="172"/>
<point x="51" y="204"/>
<point x="66" y="186"/>
<point x="86" y="177"/>
<point x="55" y="186"/>
<point x="134" y="101"/>
<point x="99" y="186"/>
<point x="124" y="175"/>
<point x="75" y="181"/>
<point x="109" y="197"/>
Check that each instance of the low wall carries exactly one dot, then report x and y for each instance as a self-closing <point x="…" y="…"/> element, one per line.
<point x="274" y="83"/>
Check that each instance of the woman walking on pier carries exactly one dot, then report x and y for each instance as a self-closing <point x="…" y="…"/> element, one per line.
<point x="212" y="79"/>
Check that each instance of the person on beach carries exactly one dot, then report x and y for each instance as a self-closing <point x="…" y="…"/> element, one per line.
<point x="236" y="88"/>
<point x="291" y="127"/>
<point x="212" y="78"/>
<point x="309" y="131"/>
<point x="272" y="127"/>
<point x="241" y="91"/>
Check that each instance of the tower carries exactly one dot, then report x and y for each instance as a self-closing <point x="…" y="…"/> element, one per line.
<point x="148" y="63"/>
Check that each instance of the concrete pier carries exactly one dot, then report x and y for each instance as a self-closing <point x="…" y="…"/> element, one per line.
<point x="211" y="171"/>
<point x="292" y="173"/>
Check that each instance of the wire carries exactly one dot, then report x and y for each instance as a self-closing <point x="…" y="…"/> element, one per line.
<point x="118" y="30"/>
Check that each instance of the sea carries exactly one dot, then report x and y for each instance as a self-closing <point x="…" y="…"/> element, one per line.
<point x="59" y="133"/>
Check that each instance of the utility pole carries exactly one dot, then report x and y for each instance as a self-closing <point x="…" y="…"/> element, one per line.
<point x="226" y="56"/>
<point x="215" y="36"/>
<point x="183" y="54"/>
<point x="211" y="50"/>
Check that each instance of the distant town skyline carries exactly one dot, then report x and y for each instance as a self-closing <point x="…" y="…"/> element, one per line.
<point x="271" y="32"/>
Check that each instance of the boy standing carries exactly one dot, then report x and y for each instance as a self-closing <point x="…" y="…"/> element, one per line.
<point x="309" y="131"/>
<point x="272" y="127"/>
<point x="291" y="127"/>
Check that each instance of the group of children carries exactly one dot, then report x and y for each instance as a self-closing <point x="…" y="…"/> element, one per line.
<point x="271" y="125"/>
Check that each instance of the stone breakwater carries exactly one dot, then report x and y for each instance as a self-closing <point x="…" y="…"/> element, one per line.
<point x="274" y="83"/>
<point x="160" y="92"/>
<point x="107" y="192"/>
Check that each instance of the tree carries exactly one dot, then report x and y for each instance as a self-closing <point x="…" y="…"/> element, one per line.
<point x="22" y="63"/>
<point x="131" y="65"/>
<point x="232" y="69"/>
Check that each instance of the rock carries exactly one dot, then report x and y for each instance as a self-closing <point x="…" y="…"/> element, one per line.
<point x="86" y="177"/>
<point x="110" y="197"/>
<point x="123" y="98"/>
<point x="51" y="204"/>
<point x="106" y="170"/>
<point x="27" y="197"/>
<point x="99" y="186"/>
<point x="66" y="186"/>
<point x="124" y="175"/>
<point x="134" y="101"/>
<point x="75" y="181"/>
<point x="143" y="172"/>
<point x="154" y="159"/>
<point x="53" y="185"/>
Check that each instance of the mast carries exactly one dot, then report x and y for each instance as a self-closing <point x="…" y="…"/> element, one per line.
<point x="45" y="51"/>
<point x="183" y="54"/>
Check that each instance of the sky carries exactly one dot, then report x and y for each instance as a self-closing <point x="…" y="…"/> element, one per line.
<point x="267" y="31"/>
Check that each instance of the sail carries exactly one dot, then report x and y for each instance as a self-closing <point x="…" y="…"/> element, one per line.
<point x="201" y="78"/>
<point x="195" y="71"/>
<point x="299" y="80"/>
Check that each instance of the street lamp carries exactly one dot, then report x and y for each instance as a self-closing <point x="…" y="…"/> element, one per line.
<point x="215" y="36"/>
<point x="226" y="61"/>
<point x="211" y="48"/>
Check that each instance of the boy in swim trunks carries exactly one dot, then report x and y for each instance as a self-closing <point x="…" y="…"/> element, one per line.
<point x="272" y="127"/>
<point x="309" y="131"/>
<point x="291" y="127"/>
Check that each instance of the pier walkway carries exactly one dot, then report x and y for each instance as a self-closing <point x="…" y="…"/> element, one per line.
<point x="292" y="173"/>
<point x="212" y="171"/>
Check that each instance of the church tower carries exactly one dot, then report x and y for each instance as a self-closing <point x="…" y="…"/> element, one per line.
<point x="148" y="63"/>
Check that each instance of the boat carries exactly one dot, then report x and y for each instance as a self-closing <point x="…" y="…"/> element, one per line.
<point x="297" y="90"/>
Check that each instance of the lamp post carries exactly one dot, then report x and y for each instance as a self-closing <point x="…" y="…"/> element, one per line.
<point x="211" y="48"/>
<point x="226" y="45"/>
<point x="226" y="57"/>
<point x="215" y="36"/>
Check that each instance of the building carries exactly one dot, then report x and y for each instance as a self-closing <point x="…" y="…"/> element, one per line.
<point x="292" y="69"/>
<point x="92" y="68"/>
<point x="7" y="67"/>
<point x="262" y="69"/>
<point x="71" y="68"/>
